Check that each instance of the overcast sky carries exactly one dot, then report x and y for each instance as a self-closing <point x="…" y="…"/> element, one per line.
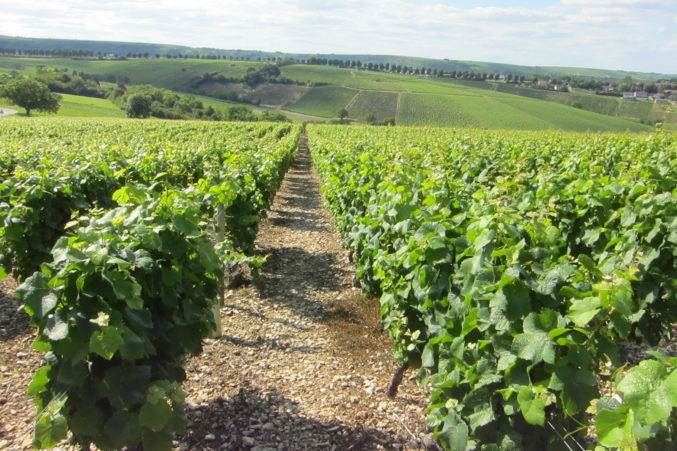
<point x="636" y="35"/>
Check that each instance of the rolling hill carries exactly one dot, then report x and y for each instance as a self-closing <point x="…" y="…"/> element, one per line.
<point x="124" y="48"/>
<point x="317" y="93"/>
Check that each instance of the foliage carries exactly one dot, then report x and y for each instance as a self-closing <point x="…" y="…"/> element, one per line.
<point x="54" y="170"/>
<point x="509" y="265"/>
<point x="646" y="414"/>
<point x="31" y="95"/>
<point x="69" y="83"/>
<point x="146" y="101"/>
<point x="138" y="106"/>
<point x="265" y="74"/>
<point x="128" y="291"/>
<point x="117" y="310"/>
<point x="37" y="209"/>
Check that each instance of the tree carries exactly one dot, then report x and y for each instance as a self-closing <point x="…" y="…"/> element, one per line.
<point x="31" y="95"/>
<point x="138" y="106"/>
<point x="370" y="118"/>
<point x="343" y="113"/>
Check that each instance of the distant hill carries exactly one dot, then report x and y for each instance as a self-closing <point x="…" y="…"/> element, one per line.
<point x="318" y="93"/>
<point x="124" y="48"/>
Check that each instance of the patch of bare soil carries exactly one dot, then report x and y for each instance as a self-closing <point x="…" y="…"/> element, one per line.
<point x="18" y="362"/>
<point x="303" y="362"/>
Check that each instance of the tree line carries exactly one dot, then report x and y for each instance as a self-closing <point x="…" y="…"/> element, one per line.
<point x="606" y="87"/>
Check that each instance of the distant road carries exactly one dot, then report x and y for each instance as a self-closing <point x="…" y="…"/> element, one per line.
<point x="7" y="112"/>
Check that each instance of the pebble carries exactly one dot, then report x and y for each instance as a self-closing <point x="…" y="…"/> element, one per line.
<point x="210" y="437"/>
<point x="249" y="441"/>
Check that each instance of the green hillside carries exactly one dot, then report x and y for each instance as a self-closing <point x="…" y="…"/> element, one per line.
<point x="324" y="101"/>
<point x="76" y="106"/>
<point x="320" y="92"/>
<point x="383" y="105"/>
<point x="646" y="112"/>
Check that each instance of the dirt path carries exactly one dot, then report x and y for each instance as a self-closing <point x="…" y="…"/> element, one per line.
<point x="7" y="112"/>
<point x="353" y="100"/>
<point x="303" y="363"/>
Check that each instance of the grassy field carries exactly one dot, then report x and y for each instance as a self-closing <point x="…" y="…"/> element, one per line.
<point x="76" y="106"/>
<point x="324" y="101"/>
<point x="429" y="109"/>
<point x="569" y="118"/>
<point x="382" y="104"/>
<point x="508" y="112"/>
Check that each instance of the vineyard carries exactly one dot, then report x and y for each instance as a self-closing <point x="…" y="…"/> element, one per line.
<point x="513" y="269"/>
<point x="119" y="231"/>
<point x="510" y="267"/>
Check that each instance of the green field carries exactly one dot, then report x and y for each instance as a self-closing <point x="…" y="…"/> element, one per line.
<point x="508" y="112"/>
<point x="382" y="104"/>
<point x="76" y="106"/>
<point x="324" y="101"/>
<point x="428" y="109"/>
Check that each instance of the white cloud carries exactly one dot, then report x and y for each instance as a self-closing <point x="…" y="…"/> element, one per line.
<point x="593" y="33"/>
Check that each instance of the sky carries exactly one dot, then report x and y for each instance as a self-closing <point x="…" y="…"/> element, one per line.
<point x="636" y="35"/>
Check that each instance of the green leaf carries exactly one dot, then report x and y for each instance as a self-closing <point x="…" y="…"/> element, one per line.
<point x="156" y="441"/>
<point x="184" y="225"/>
<point x="133" y="347"/>
<point x="155" y="415"/>
<point x="610" y="426"/>
<point x="86" y="421"/>
<point x="641" y="380"/>
<point x="125" y="287"/>
<point x="578" y="387"/>
<point x="50" y="425"/>
<point x="518" y="302"/>
<point x="531" y="406"/>
<point x="106" y="342"/>
<point x="129" y="194"/>
<point x="427" y="357"/>
<point x="484" y="238"/>
<point x="127" y="385"/>
<point x="454" y="433"/>
<point x="40" y="381"/>
<point x="645" y="390"/>
<point x="535" y="347"/>
<point x="122" y="430"/>
<point x="584" y="310"/>
<point x="57" y="326"/>
<point x="38" y="298"/>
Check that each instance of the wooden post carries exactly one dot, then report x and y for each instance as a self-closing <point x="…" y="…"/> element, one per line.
<point x="220" y="237"/>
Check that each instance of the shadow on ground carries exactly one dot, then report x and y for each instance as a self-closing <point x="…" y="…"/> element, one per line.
<point x="268" y="420"/>
<point x="292" y="277"/>
<point x="14" y="321"/>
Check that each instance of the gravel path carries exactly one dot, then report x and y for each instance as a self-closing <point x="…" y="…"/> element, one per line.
<point x="303" y="362"/>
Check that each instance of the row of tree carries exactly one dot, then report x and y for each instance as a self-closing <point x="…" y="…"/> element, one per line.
<point x="581" y="83"/>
